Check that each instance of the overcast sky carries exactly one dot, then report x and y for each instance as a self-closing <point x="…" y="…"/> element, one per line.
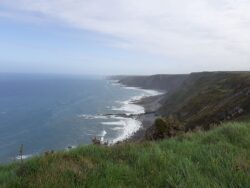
<point x="124" y="36"/>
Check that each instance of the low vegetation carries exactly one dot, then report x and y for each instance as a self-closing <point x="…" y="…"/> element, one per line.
<point x="217" y="158"/>
<point x="209" y="98"/>
<point x="164" y="128"/>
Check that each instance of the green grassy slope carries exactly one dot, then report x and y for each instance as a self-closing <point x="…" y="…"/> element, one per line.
<point x="218" y="158"/>
<point x="210" y="97"/>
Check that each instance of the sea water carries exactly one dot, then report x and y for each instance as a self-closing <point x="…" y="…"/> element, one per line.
<point x="53" y="112"/>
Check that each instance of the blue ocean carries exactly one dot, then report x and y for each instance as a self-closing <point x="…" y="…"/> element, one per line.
<point x="55" y="112"/>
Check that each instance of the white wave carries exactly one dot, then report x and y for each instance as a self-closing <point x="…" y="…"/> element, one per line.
<point x="19" y="157"/>
<point x="90" y="134"/>
<point x="153" y="92"/>
<point x="132" y="88"/>
<point x="114" y="123"/>
<point x="148" y="92"/>
<point x="125" y="126"/>
<point x="117" y="128"/>
<point x="102" y="135"/>
<point x="87" y="116"/>
<point x="130" y="108"/>
<point x="137" y="98"/>
<point x="129" y="127"/>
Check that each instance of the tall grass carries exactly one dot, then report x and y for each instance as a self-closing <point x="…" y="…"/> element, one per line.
<point x="218" y="158"/>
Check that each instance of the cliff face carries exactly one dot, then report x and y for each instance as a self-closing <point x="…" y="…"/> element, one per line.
<point x="200" y="99"/>
<point x="209" y="98"/>
<point x="169" y="83"/>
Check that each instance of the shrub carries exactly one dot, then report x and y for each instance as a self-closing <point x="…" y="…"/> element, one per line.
<point x="164" y="127"/>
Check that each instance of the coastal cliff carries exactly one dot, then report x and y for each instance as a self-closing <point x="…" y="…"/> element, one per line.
<point x="169" y="83"/>
<point x="210" y="98"/>
<point x="198" y="100"/>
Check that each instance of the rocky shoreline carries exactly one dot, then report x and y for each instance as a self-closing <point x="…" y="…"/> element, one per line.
<point x="151" y="105"/>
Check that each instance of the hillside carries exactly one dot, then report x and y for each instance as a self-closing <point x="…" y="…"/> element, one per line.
<point x="209" y="98"/>
<point x="218" y="158"/>
<point x="169" y="83"/>
<point x="199" y="100"/>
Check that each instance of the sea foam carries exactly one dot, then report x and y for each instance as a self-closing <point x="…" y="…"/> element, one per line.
<point x="128" y="126"/>
<point x="125" y="126"/>
<point x="88" y="116"/>
<point x="19" y="157"/>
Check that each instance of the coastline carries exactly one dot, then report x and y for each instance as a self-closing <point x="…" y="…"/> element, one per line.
<point x="149" y="103"/>
<point x="135" y="122"/>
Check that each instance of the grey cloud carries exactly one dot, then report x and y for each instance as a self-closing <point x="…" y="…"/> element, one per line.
<point x="210" y="32"/>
